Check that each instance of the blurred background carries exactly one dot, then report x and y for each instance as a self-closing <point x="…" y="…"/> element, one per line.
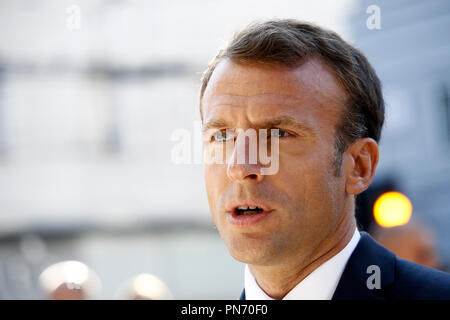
<point x="91" y="92"/>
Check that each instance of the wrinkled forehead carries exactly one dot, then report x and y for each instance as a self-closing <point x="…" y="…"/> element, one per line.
<point x="267" y="88"/>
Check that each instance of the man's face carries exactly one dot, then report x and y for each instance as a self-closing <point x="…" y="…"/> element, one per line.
<point x="303" y="200"/>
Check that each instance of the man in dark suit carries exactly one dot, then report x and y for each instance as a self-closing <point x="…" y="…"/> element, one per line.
<point x="292" y="116"/>
<point x="399" y="279"/>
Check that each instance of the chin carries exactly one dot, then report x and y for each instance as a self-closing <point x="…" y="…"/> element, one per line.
<point x="251" y="251"/>
<point x="247" y="259"/>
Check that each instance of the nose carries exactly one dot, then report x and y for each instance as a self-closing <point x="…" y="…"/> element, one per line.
<point x="244" y="172"/>
<point x="240" y="167"/>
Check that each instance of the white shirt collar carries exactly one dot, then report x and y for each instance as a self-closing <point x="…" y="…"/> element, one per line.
<point x="318" y="285"/>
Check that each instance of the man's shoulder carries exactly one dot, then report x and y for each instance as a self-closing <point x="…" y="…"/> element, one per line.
<point x="414" y="281"/>
<point x="397" y="278"/>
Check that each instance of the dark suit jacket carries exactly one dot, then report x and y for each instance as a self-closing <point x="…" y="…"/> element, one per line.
<point x="399" y="279"/>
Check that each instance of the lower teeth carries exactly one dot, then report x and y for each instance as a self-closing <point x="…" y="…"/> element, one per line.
<point x="248" y="213"/>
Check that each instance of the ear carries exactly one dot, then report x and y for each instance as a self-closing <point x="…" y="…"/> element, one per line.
<point x="361" y="159"/>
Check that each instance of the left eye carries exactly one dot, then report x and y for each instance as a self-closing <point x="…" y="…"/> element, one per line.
<point x="221" y="136"/>
<point x="280" y="134"/>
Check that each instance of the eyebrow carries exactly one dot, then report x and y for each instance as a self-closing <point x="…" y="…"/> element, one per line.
<point x="284" y="121"/>
<point x="213" y="124"/>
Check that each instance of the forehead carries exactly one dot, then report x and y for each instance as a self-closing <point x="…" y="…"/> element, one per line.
<point x="261" y="90"/>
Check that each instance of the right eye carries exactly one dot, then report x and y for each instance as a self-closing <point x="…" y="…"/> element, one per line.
<point x="221" y="136"/>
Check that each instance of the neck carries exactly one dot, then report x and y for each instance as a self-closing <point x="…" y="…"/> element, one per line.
<point x="276" y="281"/>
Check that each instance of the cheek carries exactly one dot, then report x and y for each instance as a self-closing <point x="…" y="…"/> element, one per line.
<point x="215" y="182"/>
<point x="307" y="179"/>
<point x="300" y="171"/>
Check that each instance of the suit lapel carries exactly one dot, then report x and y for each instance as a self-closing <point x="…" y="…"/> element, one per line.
<point x="353" y="282"/>
<point x="242" y="297"/>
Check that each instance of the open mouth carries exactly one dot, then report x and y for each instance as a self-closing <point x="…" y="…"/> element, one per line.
<point x="246" y="213"/>
<point x="248" y="210"/>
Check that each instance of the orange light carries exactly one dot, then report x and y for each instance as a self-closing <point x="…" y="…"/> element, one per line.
<point x="392" y="209"/>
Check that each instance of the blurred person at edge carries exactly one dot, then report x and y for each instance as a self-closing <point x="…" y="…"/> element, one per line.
<point x="413" y="242"/>
<point x="295" y="230"/>
<point x="69" y="280"/>
<point x="144" y="286"/>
